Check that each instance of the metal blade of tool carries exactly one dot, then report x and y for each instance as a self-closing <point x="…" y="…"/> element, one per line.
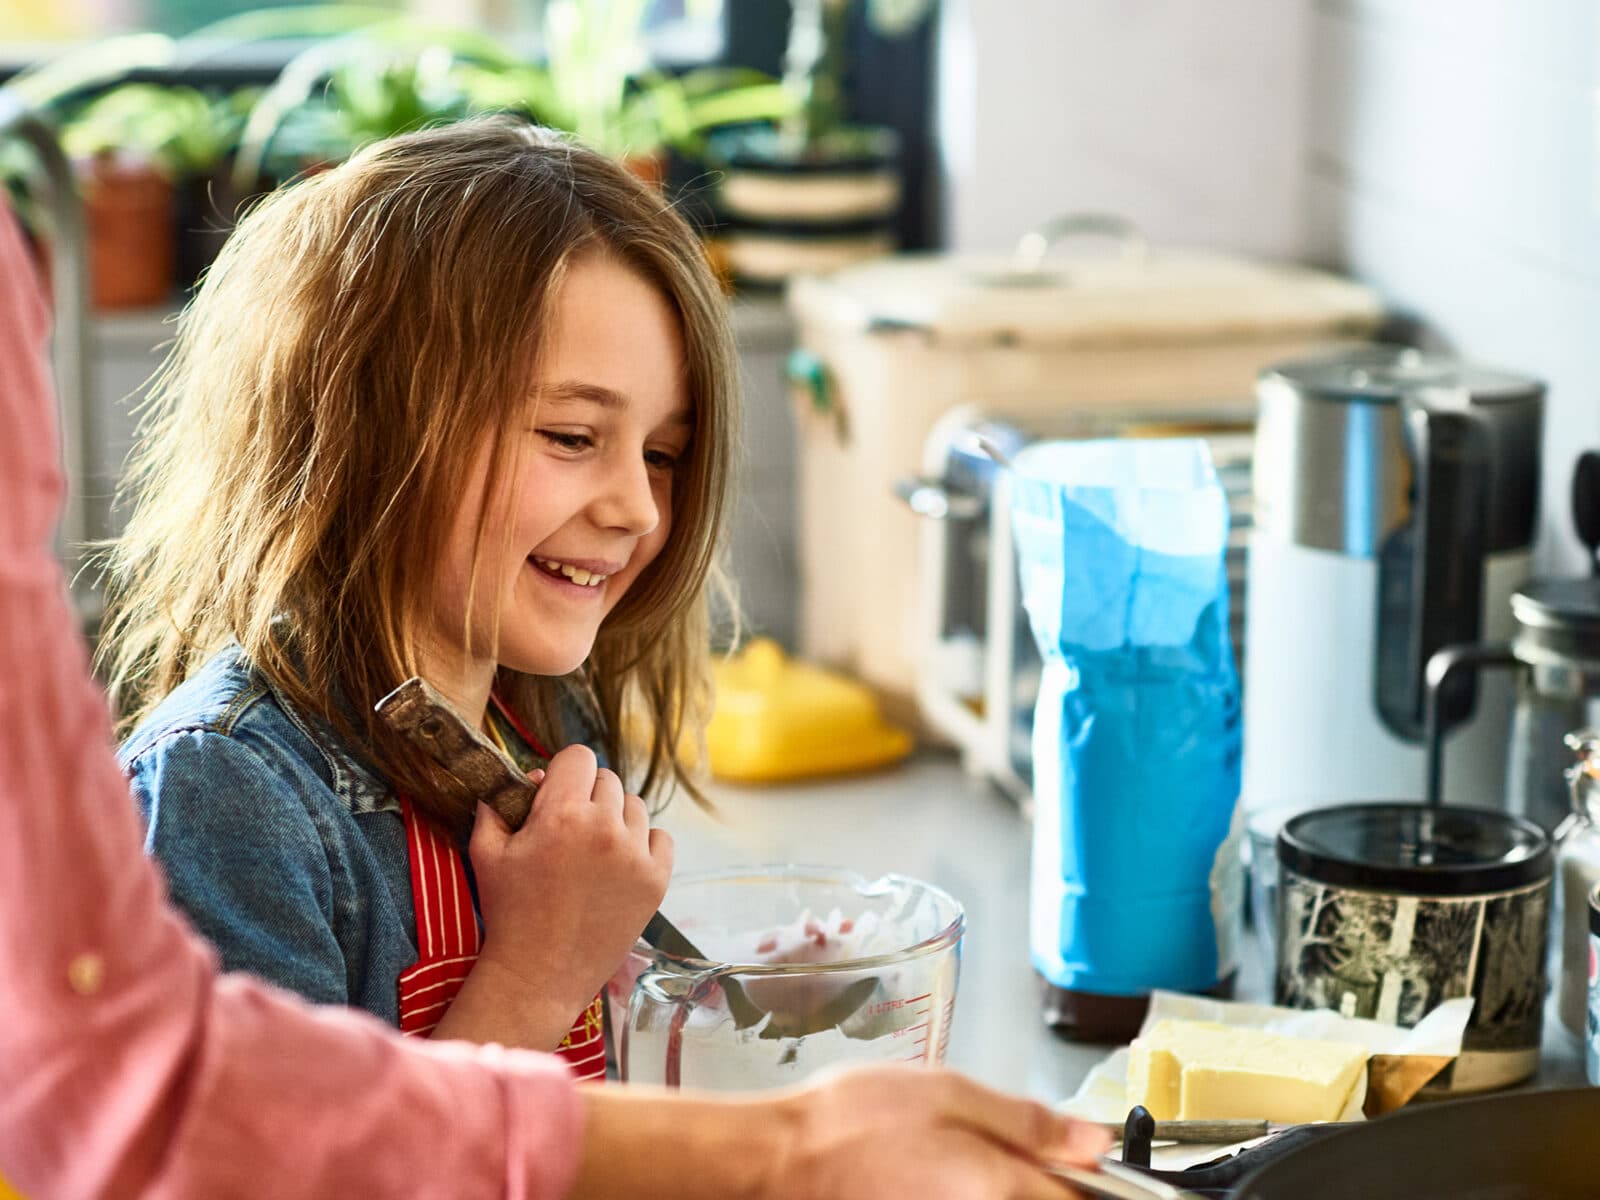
<point x="417" y="711"/>
<point x="1113" y="1183"/>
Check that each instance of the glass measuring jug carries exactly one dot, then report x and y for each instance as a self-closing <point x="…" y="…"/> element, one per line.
<point x="802" y="967"/>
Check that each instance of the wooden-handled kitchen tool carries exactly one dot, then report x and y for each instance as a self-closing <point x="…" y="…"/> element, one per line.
<point x="417" y="712"/>
<point x="1216" y="1133"/>
<point x="421" y="715"/>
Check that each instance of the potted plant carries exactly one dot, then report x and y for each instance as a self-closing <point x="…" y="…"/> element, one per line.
<point x="814" y="191"/>
<point x="342" y="92"/>
<point x="596" y="83"/>
<point x="392" y="75"/>
<point x="138" y="141"/>
<point x="125" y="193"/>
<point x="184" y="135"/>
<point x="115" y="142"/>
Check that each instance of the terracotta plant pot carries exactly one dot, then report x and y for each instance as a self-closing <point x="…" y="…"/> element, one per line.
<point x="129" y="211"/>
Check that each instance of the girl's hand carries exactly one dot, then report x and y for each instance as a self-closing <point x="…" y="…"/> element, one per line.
<point x="563" y="900"/>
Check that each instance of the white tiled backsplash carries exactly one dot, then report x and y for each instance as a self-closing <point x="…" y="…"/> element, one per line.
<point x="1453" y="161"/>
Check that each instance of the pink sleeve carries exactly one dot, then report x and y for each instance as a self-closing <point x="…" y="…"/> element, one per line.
<point x="128" y="1067"/>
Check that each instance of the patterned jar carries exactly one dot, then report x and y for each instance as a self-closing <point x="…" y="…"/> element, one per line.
<point x="1386" y="910"/>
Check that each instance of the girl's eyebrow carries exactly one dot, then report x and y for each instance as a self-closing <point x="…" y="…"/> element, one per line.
<point x="576" y="391"/>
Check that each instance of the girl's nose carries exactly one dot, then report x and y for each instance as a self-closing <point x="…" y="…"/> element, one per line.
<point x="630" y="502"/>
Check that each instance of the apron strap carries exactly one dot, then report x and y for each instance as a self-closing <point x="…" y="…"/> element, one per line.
<point x="448" y="942"/>
<point x="511" y="719"/>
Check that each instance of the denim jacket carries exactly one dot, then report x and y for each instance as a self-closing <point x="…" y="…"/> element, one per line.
<point x="284" y="851"/>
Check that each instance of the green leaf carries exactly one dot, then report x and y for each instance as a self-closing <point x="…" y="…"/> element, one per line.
<point x="296" y="21"/>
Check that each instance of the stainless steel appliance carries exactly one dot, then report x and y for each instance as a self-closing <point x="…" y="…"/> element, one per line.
<point x="1395" y="508"/>
<point x="978" y="668"/>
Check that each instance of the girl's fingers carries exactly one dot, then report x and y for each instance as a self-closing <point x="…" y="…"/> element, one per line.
<point x="607" y="789"/>
<point x="634" y="814"/>
<point x="661" y="849"/>
<point x="536" y="776"/>
<point x="573" y="768"/>
<point x="489" y="831"/>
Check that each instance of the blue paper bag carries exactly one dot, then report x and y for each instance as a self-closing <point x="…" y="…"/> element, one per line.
<point x="1136" y="736"/>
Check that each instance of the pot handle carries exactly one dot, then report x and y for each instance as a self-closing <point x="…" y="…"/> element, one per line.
<point x="1036" y="243"/>
<point x="1430" y="570"/>
<point x="931" y="498"/>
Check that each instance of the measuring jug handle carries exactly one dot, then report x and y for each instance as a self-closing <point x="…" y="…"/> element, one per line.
<point x="660" y="988"/>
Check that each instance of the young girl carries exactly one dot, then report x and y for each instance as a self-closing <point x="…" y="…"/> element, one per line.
<point x="461" y="408"/>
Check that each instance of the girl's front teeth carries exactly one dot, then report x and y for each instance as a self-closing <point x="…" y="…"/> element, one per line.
<point x="576" y="574"/>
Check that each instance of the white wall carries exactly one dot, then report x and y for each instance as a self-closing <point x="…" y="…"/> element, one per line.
<point x="1454" y="161"/>
<point x="1187" y="116"/>
<point x="1446" y="151"/>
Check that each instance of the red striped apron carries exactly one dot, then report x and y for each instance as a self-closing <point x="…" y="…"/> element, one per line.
<point x="448" y="940"/>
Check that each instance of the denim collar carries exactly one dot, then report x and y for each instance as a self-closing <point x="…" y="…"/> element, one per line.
<point x="354" y="781"/>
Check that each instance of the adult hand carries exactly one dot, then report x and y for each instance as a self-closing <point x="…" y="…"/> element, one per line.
<point x="909" y="1131"/>
<point x="864" y="1133"/>
<point x="563" y="900"/>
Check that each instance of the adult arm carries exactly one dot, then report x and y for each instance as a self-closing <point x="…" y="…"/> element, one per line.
<point x="129" y="1068"/>
<point x="127" y="1065"/>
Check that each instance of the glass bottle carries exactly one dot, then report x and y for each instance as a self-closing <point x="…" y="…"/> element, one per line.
<point x="1577" y="872"/>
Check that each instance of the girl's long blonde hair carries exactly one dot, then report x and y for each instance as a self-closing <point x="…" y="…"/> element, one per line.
<point x="309" y="436"/>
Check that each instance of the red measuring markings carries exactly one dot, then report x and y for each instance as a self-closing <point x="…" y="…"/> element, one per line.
<point x="917" y="1032"/>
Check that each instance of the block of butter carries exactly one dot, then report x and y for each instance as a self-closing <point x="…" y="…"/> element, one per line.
<point x="1201" y="1071"/>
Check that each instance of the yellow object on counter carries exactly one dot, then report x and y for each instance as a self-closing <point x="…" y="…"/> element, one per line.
<point x="1201" y="1071"/>
<point x="777" y="719"/>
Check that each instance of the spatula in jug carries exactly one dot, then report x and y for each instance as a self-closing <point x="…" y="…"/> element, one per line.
<point x="417" y="712"/>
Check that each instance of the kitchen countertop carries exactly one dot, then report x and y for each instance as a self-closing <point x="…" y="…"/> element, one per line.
<point x="929" y="820"/>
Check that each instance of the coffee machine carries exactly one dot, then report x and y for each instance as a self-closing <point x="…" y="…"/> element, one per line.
<point x="1396" y="499"/>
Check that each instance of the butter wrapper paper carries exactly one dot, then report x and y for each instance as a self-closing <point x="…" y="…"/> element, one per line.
<point x="1400" y="1061"/>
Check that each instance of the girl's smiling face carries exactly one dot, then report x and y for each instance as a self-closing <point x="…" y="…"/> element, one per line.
<point x="587" y="504"/>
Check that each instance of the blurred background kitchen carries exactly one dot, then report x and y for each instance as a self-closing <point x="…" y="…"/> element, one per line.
<point x="1126" y="218"/>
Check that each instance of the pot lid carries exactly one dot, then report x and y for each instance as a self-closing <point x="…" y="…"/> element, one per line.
<point x="1154" y="296"/>
<point x="1383" y="374"/>
<point x="1414" y="849"/>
